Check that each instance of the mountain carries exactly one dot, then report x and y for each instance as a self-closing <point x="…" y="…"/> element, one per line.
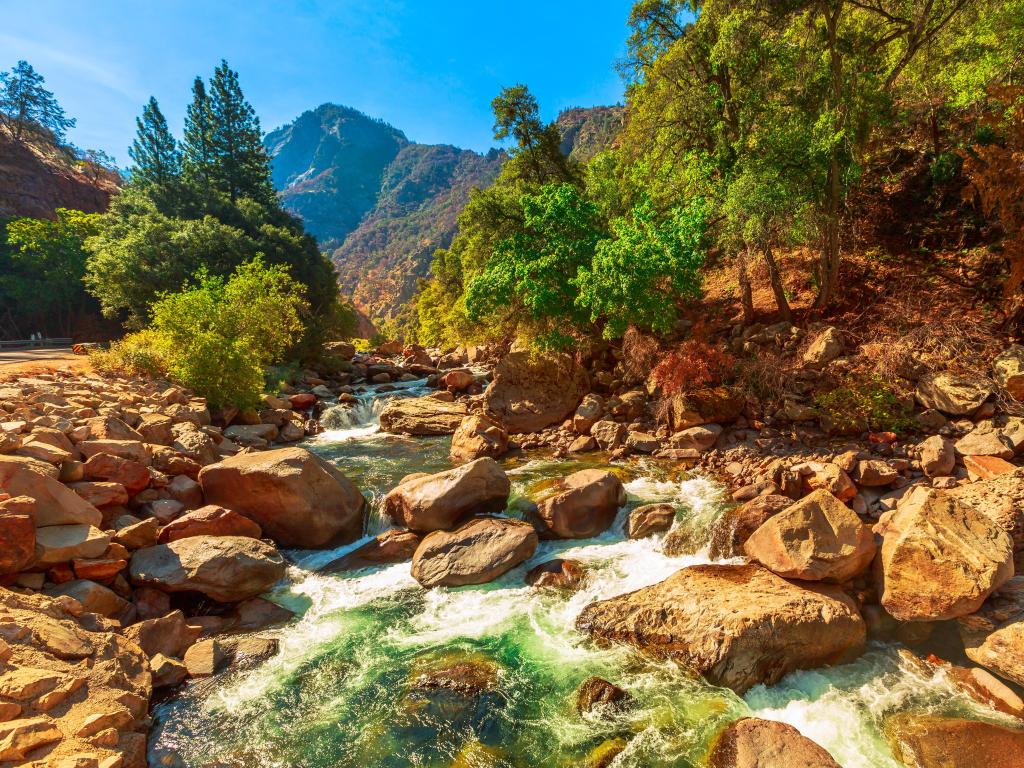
<point x="380" y="205"/>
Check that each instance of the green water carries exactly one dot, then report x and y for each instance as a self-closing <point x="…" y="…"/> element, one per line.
<point x="340" y="693"/>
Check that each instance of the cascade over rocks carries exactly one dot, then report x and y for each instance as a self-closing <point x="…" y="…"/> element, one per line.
<point x="584" y="504"/>
<point x="437" y="502"/>
<point x="422" y="416"/>
<point x="392" y="546"/>
<point x="738" y="625"/>
<point x="754" y="743"/>
<point x="530" y="393"/>
<point x="297" y="498"/>
<point x="940" y="558"/>
<point x="478" y="552"/>
<point x="225" y="568"/>
<point x="816" y="539"/>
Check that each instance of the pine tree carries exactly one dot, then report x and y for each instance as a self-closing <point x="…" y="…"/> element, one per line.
<point x="197" y="149"/>
<point x="240" y="164"/>
<point x="154" y="151"/>
<point x="25" y="103"/>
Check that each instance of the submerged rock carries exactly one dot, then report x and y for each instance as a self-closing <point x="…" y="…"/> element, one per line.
<point x="557" y="573"/>
<point x="755" y="743"/>
<point x="437" y="502"/>
<point x="392" y="546"/>
<point x="585" y="504"/>
<point x="478" y="552"/>
<point x="530" y="392"/>
<point x="596" y="692"/>
<point x="738" y="625"/>
<point x="649" y="519"/>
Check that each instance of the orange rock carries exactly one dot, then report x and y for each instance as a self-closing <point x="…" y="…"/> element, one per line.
<point x="986" y="467"/>
<point x="210" y="520"/>
<point x="99" y="569"/>
<point x="131" y="474"/>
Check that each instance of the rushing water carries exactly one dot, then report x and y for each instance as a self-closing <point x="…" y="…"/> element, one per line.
<point x="338" y="694"/>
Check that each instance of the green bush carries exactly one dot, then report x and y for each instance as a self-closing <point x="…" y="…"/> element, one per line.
<point x="863" y="405"/>
<point x="137" y="354"/>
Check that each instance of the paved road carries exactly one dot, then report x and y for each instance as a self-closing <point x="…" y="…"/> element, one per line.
<point x="35" y="355"/>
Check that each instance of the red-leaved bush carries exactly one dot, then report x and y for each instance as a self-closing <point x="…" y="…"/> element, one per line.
<point x="692" y="364"/>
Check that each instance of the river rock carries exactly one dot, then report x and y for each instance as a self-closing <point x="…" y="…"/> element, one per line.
<point x="828" y="476"/>
<point x="210" y="520"/>
<point x="225" y="568"/>
<point x="437" y="502"/>
<point x="17" y="538"/>
<point x="705" y="406"/>
<point x="816" y="539"/>
<point x="94" y="598"/>
<point x="297" y="498"/>
<point x="1008" y="370"/>
<point x="940" y="558"/>
<point x="994" y="636"/>
<point x="478" y="552"/>
<point x="392" y="546"/>
<point x="1000" y="498"/>
<point x="529" y="393"/>
<point x="952" y="394"/>
<point x="700" y="438"/>
<point x="649" y="519"/>
<point x="63" y="543"/>
<point x="738" y="524"/>
<point x="587" y="414"/>
<point x="422" y="416"/>
<point x="168" y="635"/>
<point x="738" y="625"/>
<point x="596" y="692"/>
<point x="558" y="573"/>
<point x="583" y="504"/>
<point x="608" y="434"/>
<point x="133" y="475"/>
<point x="476" y="437"/>
<point x="938" y="456"/>
<point x="55" y="503"/>
<point x="754" y="743"/>
<point x="934" y="741"/>
<point x="982" y="441"/>
<point x="824" y="348"/>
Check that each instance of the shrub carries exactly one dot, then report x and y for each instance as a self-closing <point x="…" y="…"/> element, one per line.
<point x="861" y="405"/>
<point x="137" y="354"/>
<point x="693" y="364"/>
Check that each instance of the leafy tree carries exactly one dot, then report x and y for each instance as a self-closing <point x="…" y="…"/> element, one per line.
<point x="537" y="156"/>
<point x="26" y="104"/>
<point x="240" y="166"/>
<point x="154" y="152"/>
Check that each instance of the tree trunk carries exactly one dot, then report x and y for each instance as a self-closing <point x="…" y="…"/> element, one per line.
<point x="828" y="266"/>
<point x="746" y="294"/>
<point x="777" y="287"/>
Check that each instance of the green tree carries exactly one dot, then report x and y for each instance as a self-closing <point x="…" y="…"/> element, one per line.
<point x="25" y="104"/>
<point x="197" y="145"/>
<point x="154" y="152"/>
<point x="240" y="165"/>
<point x="537" y="156"/>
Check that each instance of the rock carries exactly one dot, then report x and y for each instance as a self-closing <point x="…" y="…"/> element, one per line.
<point x="457" y="381"/>
<point x="478" y="552"/>
<point x="63" y="543"/>
<point x="587" y="414"/>
<point x="101" y="494"/>
<point x="738" y="524"/>
<point x="929" y="741"/>
<point x="138" y="535"/>
<point x="342" y="350"/>
<point x="738" y="625"/>
<point x="704" y="406"/>
<point x="477" y="437"/>
<point x="392" y="546"/>
<point x="529" y="393"/>
<point x="1000" y="498"/>
<point x="583" y="504"/>
<point x="421" y="416"/>
<point x="195" y="444"/>
<point x="95" y="598"/>
<point x="557" y="573"/>
<point x="1008" y="370"/>
<point x="650" y="519"/>
<point x="824" y="348"/>
<point x="604" y="754"/>
<point x="438" y="502"/>
<point x="19" y="737"/>
<point x="186" y="491"/>
<point x="938" y="457"/>
<point x="224" y="568"/>
<point x="952" y="394"/>
<point x="167" y="672"/>
<point x="816" y="539"/>
<point x="700" y="438"/>
<point x="297" y="498"/>
<point x="17" y="539"/>
<point x="168" y="635"/>
<point x="873" y="473"/>
<point x="940" y="558"/>
<point x="608" y="434"/>
<point x="55" y="504"/>
<point x="642" y="442"/>
<point x="210" y="520"/>
<point x="252" y="434"/>
<point x="256" y="613"/>
<point x="986" y="467"/>
<point x="984" y="442"/>
<point x="156" y="429"/>
<point x="129" y="450"/>
<point x="994" y="636"/>
<point x="754" y="743"/>
<point x="597" y="693"/>
<point x="827" y="476"/>
<point x="134" y="476"/>
<point x="111" y="428"/>
<point x="582" y="444"/>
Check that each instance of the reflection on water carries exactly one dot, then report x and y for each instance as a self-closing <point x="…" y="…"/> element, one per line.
<point x="342" y="691"/>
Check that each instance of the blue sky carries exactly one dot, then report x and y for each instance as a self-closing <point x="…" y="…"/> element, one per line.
<point x="428" y="68"/>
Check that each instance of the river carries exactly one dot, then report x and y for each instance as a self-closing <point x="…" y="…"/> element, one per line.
<point x="338" y="693"/>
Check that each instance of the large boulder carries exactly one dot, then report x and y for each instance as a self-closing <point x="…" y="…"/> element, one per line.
<point x="824" y="348"/>
<point x="225" y="568"/>
<point x="55" y="503"/>
<point x="1001" y="498"/>
<point x="64" y="543"/>
<point x="438" y="502"/>
<point x="952" y="394"/>
<point x="1008" y="369"/>
<point x="475" y="553"/>
<point x="994" y="636"/>
<point x="530" y="392"/>
<point x="421" y="416"/>
<point x="297" y="498"/>
<point x="816" y="539"/>
<point x="738" y="625"/>
<point x="210" y="520"/>
<point x="478" y="552"/>
<point x="705" y="406"/>
<point x="754" y="743"/>
<point x="738" y="524"/>
<point x="583" y="505"/>
<point x="934" y="741"/>
<point x="940" y="558"/>
<point x="476" y="437"/>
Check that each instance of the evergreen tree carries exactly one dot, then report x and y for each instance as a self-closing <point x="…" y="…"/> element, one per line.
<point x="154" y="151"/>
<point x="197" y="149"/>
<point x="25" y="103"/>
<point x="240" y="164"/>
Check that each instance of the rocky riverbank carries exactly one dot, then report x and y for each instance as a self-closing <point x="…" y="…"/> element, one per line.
<point x="138" y="530"/>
